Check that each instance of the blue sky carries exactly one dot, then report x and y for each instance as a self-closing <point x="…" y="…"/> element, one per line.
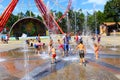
<point x="60" y="5"/>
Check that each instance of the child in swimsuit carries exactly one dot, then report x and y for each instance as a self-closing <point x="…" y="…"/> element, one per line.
<point x="82" y="51"/>
<point x="96" y="50"/>
<point x="53" y="51"/>
<point x="61" y="47"/>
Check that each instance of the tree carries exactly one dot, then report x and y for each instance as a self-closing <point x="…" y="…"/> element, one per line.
<point x="20" y="15"/>
<point x="76" y="19"/>
<point x="112" y="10"/>
<point x="39" y="17"/>
<point x="62" y="22"/>
<point x="13" y="18"/>
<point x="80" y="21"/>
<point x="29" y="14"/>
<point x="100" y="17"/>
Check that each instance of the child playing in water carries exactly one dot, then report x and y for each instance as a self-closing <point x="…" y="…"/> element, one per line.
<point x="96" y="49"/>
<point x="38" y="47"/>
<point x="82" y="51"/>
<point x="50" y="44"/>
<point x="61" y="47"/>
<point x="53" y="51"/>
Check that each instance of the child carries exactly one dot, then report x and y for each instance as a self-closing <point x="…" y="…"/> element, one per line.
<point x="61" y="47"/>
<point x="96" y="49"/>
<point x="50" y="44"/>
<point x="82" y="51"/>
<point x="53" y="51"/>
<point x="99" y="38"/>
<point x="38" y="47"/>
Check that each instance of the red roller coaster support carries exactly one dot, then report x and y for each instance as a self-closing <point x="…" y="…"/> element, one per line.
<point x="50" y="22"/>
<point x="6" y="14"/>
<point x="68" y="8"/>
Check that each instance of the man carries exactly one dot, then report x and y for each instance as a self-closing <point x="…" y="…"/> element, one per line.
<point x="66" y="44"/>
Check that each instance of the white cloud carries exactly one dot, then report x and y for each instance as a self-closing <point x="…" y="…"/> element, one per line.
<point x="100" y="2"/>
<point x="1" y="6"/>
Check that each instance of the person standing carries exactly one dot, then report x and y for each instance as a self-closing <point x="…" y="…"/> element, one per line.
<point x="99" y="38"/>
<point x="82" y="51"/>
<point x="38" y="38"/>
<point x="76" y="38"/>
<point x="61" y="47"/>
<point x="53" y="51"/>
<point x="96" y="50"/>
<point x="66" y="44"/>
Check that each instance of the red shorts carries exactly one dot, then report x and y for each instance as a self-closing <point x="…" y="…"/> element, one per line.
<point x="53" y="55"/>
<point x="61" y="47"/>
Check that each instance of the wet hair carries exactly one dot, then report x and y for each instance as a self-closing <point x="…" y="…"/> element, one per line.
<point x="50" y="45"/>
<point x="39" y="41"/>
<point x="58" y="40"/>
<point x="81" y="42"/>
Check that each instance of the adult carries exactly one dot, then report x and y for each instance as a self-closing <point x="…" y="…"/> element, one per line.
<point x="66" y="44"/>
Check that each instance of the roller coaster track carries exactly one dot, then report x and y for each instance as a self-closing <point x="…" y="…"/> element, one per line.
<point x="49" y="20"/>
<point x="6" y="14"/>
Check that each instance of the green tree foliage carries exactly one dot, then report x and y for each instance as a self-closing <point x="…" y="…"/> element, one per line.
<point x="91" y="21"/>
<point x="73" y="16"/>
<point x="13" y="18"/>
<point x="112" y="10"/>
<point x="100" y="17"/>
<point x="20" y="15"/>
<point x="80" y="21"/>
<point x="29" y="14"/>
<point x="39" y="17"/>
<point x="76" y="19"/>
<point x="94" y="20"/>
<point x="62" y="22"/>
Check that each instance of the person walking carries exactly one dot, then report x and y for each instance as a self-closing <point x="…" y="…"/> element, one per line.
<point x="53" y="51"/>
<point x="82" y="51"/>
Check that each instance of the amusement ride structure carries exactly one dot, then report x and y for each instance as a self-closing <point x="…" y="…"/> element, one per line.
<point x="52" y="24"/>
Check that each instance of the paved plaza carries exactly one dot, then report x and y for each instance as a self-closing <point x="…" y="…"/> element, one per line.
<point x="20" y="63"/>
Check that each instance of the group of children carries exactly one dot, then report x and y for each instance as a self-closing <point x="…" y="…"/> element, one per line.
<point x="63" y="46"/>
<point x="36" y="43"/>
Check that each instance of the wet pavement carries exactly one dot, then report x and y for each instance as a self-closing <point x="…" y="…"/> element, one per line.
<point x="23" y="64"/>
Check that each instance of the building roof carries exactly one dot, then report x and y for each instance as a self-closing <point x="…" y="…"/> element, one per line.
<point x="110" y="23"/>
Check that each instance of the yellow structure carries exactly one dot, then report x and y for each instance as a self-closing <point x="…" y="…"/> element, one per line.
<point x="104" y="27"/>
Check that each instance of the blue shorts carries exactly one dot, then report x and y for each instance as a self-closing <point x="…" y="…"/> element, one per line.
<point x="35" y="46"/>
<point x="66" y="47"/>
